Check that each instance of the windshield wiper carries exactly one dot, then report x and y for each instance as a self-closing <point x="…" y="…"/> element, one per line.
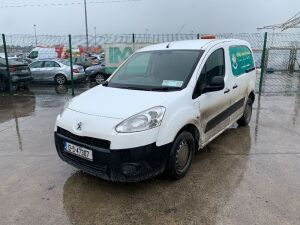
<point x="166" y="89"/>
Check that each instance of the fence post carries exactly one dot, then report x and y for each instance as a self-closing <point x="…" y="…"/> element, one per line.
<point x="292" y="60"/>
<point x="262" y="65"/>
<point x="7" y="65"/>
<point x="133" y="38"/>
<point x="71" y="64"/>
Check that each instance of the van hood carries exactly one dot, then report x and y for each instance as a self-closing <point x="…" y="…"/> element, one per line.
<point x="117" y="103"/>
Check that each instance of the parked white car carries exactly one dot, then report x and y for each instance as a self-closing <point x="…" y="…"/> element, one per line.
<point x="159" y="107"/>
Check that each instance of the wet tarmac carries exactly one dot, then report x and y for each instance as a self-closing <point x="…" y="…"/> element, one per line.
<point x="248" y="175"/>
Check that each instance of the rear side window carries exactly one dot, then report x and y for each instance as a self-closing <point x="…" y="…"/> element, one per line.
<point x="241" y="59"/>
<point x="51" y="64"/>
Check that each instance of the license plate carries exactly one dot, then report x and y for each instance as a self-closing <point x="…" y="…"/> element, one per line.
<point x="24" y="71"/>
<point x="78" y="151"/>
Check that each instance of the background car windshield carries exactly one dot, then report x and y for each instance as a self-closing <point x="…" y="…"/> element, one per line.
<point x="168" y="68"/>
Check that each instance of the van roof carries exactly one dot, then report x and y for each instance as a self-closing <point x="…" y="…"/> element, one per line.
<point x="199" y="44"/>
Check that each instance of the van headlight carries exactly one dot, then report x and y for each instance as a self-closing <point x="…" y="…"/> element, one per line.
<point x="145" y="120"/>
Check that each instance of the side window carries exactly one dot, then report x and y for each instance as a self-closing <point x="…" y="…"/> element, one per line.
<point x="38" y="64"/>
<point x="214" y="66"/>
<point x="51" y="64"/>
<point x="241" y="59"/>
<point x="56" y="64"/>
<point x="33" y="55"/>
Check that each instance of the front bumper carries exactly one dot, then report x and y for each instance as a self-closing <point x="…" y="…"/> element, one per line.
<point x="125" y="165"/>
<point x="91" y="73"/>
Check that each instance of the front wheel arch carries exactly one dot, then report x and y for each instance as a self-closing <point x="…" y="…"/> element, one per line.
<point x="252" y="96"/>
<point x="193" y="129"/>
<point x="176" y="166"/>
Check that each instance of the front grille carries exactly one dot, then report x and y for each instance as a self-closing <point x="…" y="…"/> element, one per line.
<point x="86" y="140"/>
<point x="23" y="75"/>
<point x="19" y="68"/>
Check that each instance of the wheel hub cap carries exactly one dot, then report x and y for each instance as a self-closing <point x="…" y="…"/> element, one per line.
<point x="182" y="155"/>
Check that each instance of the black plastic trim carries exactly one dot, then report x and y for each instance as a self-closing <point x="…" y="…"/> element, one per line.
<point x="249" y="70"/>
<point x="83" y="144"/>
<point x="224" y="115"/>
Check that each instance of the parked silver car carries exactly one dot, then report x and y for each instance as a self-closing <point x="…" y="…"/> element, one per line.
<point x="58" y="71"/>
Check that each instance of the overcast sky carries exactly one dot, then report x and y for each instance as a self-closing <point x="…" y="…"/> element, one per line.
<point x="157" y="16"/>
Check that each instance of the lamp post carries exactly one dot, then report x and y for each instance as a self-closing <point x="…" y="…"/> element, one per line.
<point x="86" y="26"/>
<point x="35" y="35"/>
<point x="146" y="35"/>
<point x="95" y="29"/>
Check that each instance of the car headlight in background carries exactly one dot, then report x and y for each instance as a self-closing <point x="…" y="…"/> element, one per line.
<point x="145" y="120"/>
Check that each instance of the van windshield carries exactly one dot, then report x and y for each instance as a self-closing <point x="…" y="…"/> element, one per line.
<point x="166" y="70"/>
<point x="33" y="55"/>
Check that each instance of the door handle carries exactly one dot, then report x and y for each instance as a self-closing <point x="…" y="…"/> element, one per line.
<point x="227" y="91"/>
<point x="235" y="86"/>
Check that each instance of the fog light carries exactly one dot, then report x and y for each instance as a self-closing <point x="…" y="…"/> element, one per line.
<point x="130" y="169"/>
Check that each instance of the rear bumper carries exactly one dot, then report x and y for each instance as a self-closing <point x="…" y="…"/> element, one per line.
<point x="126" y="165"/>
<point x="78" y="77"/>
<point x="17" y="79"/>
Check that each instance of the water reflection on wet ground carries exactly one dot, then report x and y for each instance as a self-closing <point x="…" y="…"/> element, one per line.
<point x="247" y="175"/>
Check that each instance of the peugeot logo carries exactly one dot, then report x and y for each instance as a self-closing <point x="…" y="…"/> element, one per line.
<point x="79" y="126"/>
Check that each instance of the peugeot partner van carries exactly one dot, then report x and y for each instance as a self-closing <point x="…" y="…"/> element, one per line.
<point x="163" y="104"/>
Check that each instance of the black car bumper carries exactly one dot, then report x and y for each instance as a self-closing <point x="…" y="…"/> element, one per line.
<point x="126" y="165"/>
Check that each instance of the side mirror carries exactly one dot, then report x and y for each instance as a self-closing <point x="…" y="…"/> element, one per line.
<point x="217" y="84"/>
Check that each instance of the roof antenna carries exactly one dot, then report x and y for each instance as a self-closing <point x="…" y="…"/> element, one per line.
<point x="168" y="45"/>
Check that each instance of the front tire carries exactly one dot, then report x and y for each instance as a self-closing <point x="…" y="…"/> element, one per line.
<point x="245" y="119"/>
<point x="182" y="154"/>
<point x="60" y="79"/>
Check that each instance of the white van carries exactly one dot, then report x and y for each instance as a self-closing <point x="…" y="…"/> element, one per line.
<point x="160" y="106"/>
<point x="42" y="53"/>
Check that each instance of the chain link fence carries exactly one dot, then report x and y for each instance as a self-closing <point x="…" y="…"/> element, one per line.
<point x="281" y="62"/>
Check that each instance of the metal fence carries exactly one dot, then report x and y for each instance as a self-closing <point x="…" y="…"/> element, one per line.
<point x="282" y="53"/>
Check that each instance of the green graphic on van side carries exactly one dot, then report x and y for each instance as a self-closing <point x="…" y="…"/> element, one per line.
<point x="241" y="59"/>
